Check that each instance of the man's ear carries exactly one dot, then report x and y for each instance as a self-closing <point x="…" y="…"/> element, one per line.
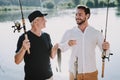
<point x="88" y="16"/>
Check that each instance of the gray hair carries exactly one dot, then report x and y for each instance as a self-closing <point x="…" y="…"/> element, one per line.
<point x="34" y="20"/>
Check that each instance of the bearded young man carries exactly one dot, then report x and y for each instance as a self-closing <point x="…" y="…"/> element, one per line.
<point x="82" y="40"/>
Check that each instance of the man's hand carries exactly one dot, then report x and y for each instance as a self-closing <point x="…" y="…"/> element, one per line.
<point x="54" y="50"/>
<point x="26" y="44"/>
<point x="72" y="42"/>
<point x="105" y="45"/>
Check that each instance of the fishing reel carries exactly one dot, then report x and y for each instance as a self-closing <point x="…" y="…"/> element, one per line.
<point x="17" y="26"/>
<point x="106" y="57"/>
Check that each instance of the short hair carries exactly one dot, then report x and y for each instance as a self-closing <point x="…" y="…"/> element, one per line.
<point x="34" y="20"/>
<point x="85" y="8"/>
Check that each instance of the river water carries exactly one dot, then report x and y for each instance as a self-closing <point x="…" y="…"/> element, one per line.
<point x="56" y="26"/>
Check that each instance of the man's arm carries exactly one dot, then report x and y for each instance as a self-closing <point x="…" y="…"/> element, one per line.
<point x="20" y="54"/>
<point x="54" y="51"/>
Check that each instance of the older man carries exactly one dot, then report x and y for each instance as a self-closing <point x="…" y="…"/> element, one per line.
<point x="37" y="63"/>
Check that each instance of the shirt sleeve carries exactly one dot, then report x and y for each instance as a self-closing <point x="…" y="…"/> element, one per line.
<point x="63" y="45"/>
<point x="48" y="42"/>
<point x="19" y="43"/>
<point x="100" y="40"/>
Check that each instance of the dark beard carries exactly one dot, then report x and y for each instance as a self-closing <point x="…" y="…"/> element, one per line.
<point x="80" y="23"/>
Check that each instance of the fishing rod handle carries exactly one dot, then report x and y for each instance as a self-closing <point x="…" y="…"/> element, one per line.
<point x="76" y="68"/>
<point x="26" y="37"/>
<point x="103" y="62"/>
<point x="103" y="67"/>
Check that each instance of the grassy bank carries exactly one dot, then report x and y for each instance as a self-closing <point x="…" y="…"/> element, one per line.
<point x="14" y="8"/>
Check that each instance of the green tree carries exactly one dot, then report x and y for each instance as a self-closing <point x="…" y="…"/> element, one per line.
<point x="90" y="4"/>
<point x="102" y="4"/>
<point x="49" y="5"/>
<point x="96" y="3"/>
<point x="76" y="2"/>
<point x="118" y="1"/>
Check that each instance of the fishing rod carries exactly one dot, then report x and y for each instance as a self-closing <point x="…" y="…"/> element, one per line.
<point x="104" y="51"/>
<point x="18" y="27"/>
<point x="76" y="68"/>
<point x="24" y="27"/>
